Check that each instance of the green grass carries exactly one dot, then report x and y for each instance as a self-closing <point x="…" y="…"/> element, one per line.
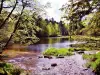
<point x="94" y="62"/>
<point x="58" y="52"/>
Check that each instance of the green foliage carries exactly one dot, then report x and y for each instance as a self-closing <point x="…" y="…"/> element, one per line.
<point x="58" y="52"/>
<point x="48" y="28"/>
<point x="9" y="69"/>
<point x="94" y="62"/>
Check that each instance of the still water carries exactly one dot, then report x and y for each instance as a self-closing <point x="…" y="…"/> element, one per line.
<point x="56" y="42"/>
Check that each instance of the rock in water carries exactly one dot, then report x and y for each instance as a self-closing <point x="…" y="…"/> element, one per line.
<point x="54" y="64"/>
<point x="40" y="56"/>
<point x="49" y="57"/>
<point x="80" y="52"/>
<point x="60" y="56"/>
<point x="45" y="68"/>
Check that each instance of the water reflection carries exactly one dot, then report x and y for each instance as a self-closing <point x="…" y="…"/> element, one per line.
<point x="45" y="43"/>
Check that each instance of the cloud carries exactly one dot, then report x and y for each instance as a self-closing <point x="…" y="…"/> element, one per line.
<point x="54" y="10"/>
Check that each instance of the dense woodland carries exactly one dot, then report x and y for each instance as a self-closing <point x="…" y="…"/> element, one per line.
<point x="21" y="21"/>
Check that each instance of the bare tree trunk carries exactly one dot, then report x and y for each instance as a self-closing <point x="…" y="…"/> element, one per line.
<point x="1" y="6"/>
<point x="2" y="25"/>
<point x="16" y="26"/>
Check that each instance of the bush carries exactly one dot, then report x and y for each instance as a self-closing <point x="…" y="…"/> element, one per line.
<point x="94" y="62"/>
<point x="9" y="69"/>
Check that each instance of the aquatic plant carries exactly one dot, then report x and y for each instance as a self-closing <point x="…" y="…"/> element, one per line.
<point x="58" y="52"/>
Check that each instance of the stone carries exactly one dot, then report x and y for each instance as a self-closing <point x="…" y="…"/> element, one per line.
<point x="46" y="68"/>
<point x="40" y="56"/>
<point x="49" y="57"/>
<point x="80" y="52"/>
<point x="60" y="56"/>
<point x="85" y="69"/>
<point x="54" y="64"/>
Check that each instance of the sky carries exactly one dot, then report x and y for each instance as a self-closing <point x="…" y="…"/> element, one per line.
<point x="54" y="10"/>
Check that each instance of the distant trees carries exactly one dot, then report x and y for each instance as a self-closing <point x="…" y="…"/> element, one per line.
<point x="49" y="27"/>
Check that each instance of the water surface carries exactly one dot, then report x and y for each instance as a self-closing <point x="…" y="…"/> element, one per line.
<point x="56" y="42"/>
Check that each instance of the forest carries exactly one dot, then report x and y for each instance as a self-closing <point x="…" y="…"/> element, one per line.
<point x="37" y="40"/>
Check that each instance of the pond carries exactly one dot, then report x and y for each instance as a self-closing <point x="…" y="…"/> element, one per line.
<point x="56" y="42"/>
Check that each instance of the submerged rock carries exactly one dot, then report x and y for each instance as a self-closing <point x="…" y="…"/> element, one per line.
<point x="49" y="57"/>
<point x="40" y="56"/>
<point x="46" y="68"/>
<point x="85" y="69"/>
<point x="60" y="56"/>
<point x="54" y="64"/>
<point x="80" y="52"/>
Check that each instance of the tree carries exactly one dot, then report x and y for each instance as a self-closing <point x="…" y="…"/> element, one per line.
<point x="1" y="6"/>
<point x="19" y="22"/>
<point x="77" y="9"/>
<point x="2" y="25"/>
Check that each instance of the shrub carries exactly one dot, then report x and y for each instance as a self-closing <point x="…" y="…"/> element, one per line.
<point x="94" y="62"/>
<point x="9" y="69"/>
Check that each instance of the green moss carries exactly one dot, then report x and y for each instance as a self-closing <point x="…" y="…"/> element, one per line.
<point x="58" y="52"/>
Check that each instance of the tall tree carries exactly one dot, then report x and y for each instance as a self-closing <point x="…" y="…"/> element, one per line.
<point x="2" y="25"/>
<point x="16" y="24"/>
<point x="1" y="6"/>
<point x="77" y="9"/>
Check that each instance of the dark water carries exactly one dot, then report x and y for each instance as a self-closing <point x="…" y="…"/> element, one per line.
<point x="56" y="42"/>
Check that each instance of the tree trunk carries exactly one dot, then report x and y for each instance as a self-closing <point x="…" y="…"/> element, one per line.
<point x="1" y="6"/>
<point x="2" y="25"/>
<point x="16" y="26"/>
